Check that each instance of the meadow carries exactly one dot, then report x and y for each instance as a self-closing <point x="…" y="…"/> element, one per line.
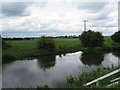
<point x="21" y="49"/>
<point x="25" y="48"/>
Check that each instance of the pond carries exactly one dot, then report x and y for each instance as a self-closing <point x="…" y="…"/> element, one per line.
<point x="53" y="70"/>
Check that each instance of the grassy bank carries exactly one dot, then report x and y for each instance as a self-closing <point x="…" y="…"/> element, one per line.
<point x="80" y="80"/>
<point x="21" y="49"/>
<point x="28" y="48"/>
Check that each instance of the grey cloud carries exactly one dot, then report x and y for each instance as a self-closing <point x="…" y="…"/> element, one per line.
<point x="92" y="6"/>
<point x="14" y="8"/>
<point x="102" y="17"/>
<point x="40" y="4"/>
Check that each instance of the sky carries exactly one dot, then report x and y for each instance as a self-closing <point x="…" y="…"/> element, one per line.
<point x="34" y="19"/>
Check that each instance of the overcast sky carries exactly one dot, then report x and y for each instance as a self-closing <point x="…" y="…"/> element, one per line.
<point x="22" y="19"/>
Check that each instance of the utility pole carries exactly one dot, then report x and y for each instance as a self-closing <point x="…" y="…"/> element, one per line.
<point x="85" y="24"/>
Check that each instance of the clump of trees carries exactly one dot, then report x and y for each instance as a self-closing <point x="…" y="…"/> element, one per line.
<point x="91" y="39"/>
<point x="116" y="37"/>
<point x="46" y="43"/>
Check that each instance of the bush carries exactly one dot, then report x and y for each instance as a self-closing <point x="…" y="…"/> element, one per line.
<point x="116" y="37"/>
<point x="91" y="39"/>
<point x="46" y="43"/>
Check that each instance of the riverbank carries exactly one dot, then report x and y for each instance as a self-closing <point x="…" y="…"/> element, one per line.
<point x="22" y="49"/>
<point x="80" y="80"/>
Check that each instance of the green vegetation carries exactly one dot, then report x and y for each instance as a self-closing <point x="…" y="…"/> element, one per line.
<point x="5" y="45"/>
<point x="46" y="46"/>
<point x="46" y="43"/>
<point x="28" y="48"/>
<point x="91" y="39"/>
<point x="80" y="80"/>
<point x="20" y="49"/>
<point x="94" y="41"/>
<point x="109" y="45"/>
<point x="67" y="43"/>
<point x="116" y="37"/>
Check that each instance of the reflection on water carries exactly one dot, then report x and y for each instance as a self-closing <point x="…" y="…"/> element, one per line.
<point x="52" y="70"/>
<point x="117" y="54"/>
<point x="110" y="60"/>
<point x="92" y="58"/>
<point x="46" y="62"/>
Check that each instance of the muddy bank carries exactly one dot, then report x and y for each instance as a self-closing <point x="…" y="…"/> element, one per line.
<point x="73" y="49"/>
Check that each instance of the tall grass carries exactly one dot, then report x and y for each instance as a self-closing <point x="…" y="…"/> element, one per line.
<point x="80" y="80"/>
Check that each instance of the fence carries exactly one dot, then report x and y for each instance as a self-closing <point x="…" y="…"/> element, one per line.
<point x="103" y="77"/>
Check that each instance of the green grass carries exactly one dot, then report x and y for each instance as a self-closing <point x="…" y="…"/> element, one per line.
<point x="80" y="80"/>
<point x="108" y="41"/>
<point x="28" y="48"/>
<point x="20" y="48"/>
<point x="68" y="42"/>
<point x="108" y="46"/>
<point x="25" y="48"/>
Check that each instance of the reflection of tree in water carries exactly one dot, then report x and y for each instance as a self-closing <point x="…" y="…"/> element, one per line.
<point x="92" y="58"/>
<point x="117" y="54"/>
<point x="46" y="62"/>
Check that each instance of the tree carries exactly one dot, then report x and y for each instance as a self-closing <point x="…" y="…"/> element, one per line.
<point x="46" y="43"/>
<point x="116" y="37"/>
<point x="91" y="39"/>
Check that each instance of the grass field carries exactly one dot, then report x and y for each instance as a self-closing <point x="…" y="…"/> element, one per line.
<point x="68" y="42"/>
<point x="27" y="48"/>
<point x="24" y="48"/>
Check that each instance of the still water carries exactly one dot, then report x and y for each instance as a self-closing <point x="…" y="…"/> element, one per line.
<point x="53" y="70"/>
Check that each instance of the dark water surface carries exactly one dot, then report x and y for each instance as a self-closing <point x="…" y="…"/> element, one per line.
<point x="53" y="70"/>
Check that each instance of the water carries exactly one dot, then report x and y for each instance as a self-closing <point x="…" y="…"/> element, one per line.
<point x="53" y="70"/>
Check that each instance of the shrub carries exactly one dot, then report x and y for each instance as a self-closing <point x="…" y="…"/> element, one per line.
<point x="91" y="39"/>
<point x="46" y="43"/>
<point x="116" y="37"/>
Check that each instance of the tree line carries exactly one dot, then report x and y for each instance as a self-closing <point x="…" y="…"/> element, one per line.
<point x="88" y="39"/>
